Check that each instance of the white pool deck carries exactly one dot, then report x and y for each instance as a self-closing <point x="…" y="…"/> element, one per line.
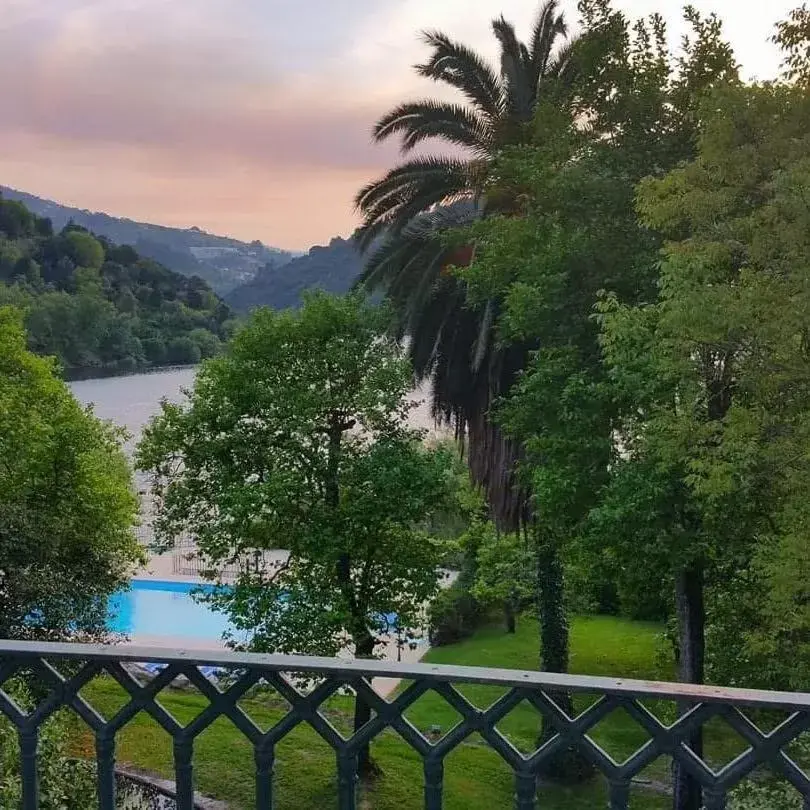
<point x="160" y="568"/>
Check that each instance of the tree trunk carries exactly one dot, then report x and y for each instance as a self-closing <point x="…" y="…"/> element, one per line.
<point x="363" y="640"/>
<point x="366" y="767"/>
<point x="687" y="794"/>
<point x="569" y="765"/>
<point x="509" y="614"/>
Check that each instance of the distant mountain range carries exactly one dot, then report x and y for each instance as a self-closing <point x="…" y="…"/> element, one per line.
<point x="223" y="262"/>
<point x="246" y="274"/>
<point x="333" y="268"/>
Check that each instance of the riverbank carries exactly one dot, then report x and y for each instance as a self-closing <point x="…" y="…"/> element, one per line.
<point x="105" y="373"/>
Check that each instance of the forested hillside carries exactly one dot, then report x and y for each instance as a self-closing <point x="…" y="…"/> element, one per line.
<point x="333" y="268"/>
<point x="102" y="308"/>
<point x="220" y="260"/>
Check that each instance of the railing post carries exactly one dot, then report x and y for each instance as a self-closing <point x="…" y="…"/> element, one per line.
<point x="434" y="783"/>
<point x="347" y="781"/>
<point x="525" y="790"/>
<point x="105" y="760"/>
<point x="265" y="758"/>
<point x="619" y="794"/>
<point x="28" y="769"/>
<point x="714" y="799"/>
<point x="184" y="773"/>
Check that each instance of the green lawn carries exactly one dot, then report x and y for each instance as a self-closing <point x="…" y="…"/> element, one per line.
<point x="475" y="777"/>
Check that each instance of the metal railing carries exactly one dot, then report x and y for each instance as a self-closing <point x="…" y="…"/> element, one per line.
<point x="734" y="706"/>
<point x="192" y="564"/>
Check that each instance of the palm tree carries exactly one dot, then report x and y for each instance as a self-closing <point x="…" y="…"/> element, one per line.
<point x="407" y="211"/>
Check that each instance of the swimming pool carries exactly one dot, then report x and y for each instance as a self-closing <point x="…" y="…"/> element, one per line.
<point x="155" y="608"/>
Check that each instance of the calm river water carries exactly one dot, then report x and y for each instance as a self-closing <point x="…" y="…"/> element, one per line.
<point x="132" y="400"/>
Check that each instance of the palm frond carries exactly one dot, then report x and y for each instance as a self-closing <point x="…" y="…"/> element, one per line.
<point x="462" y="68"/>
<point x="399" y="215"/>
<point x="406" y="264"/>
<point x="563" y="66"/>
<point x="548" y="28"/>
<point x="518" y="93"/>
<point x="418" y="121"/>
<point x="411" y="189"/>
<point x="484" y="337"/>
<point x="419" y="173"/>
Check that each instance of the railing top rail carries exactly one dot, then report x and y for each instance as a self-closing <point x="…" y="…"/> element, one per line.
<point x="355" y="668"/>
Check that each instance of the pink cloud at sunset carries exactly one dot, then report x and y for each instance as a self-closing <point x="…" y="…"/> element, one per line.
<point x="245" y="117"/>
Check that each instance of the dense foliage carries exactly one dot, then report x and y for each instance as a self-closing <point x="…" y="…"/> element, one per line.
<point x="221" y="261"/>
<point x="647" y="264"/>
<point x="99" y="307"/>
<point x="720" y="486"/>
<point x="66" y="539"/>
<point x="65" y="784"/>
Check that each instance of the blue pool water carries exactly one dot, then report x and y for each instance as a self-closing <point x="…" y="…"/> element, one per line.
<point x="155" y="608"/>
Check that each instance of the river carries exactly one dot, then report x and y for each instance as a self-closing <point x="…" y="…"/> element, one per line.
<point x="132" y="400"/>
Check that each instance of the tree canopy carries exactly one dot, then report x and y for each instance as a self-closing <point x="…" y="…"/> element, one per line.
<point x="68" y="508"/>
<point x="296" y="439"/>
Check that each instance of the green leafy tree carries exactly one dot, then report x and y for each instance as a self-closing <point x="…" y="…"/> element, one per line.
<point x="183" y="351"/>
<point x="83" y="249"/>
<point x="793" y="37"/>
<point x="207" y="342"/>
<point x="66" y="540"/>
<point x="505" y="571"/>
<point x="713" y="470"/>
<point x="155" y="350"/>
<point x="296" y="438"/>
<point x="15" y="219"/>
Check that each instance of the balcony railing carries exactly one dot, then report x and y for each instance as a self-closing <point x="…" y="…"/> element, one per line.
<point x="703" y="703"/>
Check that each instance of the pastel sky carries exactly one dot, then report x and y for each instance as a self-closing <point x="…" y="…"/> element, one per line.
<point x="244" y="117"/>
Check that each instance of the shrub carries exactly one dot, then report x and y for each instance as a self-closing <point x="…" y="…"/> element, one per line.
<point x="454" y="615"/>
<point x="765" y="796"/>
<point x="183" y="351"/>
<point x="65" y="784"/>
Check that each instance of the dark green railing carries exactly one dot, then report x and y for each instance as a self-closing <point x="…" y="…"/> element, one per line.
<point x="703" y="703"/>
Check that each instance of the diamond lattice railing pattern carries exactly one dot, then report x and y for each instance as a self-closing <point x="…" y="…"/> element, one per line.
<point x="238" y="674"/>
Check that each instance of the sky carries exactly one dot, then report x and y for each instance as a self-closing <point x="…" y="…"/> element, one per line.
<point x="250" y="118"/>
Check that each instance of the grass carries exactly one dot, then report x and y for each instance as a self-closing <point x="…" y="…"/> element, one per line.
<point x="476" y="778"/>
